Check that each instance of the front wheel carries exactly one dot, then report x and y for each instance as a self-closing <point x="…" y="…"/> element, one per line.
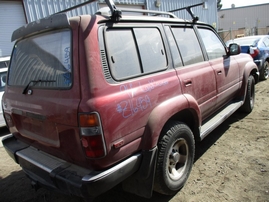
<point x="176" y="149"/>
<point x="250" y="96"/>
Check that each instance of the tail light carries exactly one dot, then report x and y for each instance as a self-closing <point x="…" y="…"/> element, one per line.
<point x="253" y="51"/>
<point x="92" y="138"/>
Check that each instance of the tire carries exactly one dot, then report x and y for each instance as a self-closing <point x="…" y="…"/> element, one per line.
<point x="176" y="149"/>
<point x="264" y="71"/>
<point x="248" y="105"/>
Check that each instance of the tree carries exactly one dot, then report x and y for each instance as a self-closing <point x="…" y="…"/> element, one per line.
<point x="219" y="4"/>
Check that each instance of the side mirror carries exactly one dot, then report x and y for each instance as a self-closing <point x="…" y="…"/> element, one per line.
<point x="234" y="49"/>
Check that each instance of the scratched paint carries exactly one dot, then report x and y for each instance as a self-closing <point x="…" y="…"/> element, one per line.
<point x="135" y="104"/>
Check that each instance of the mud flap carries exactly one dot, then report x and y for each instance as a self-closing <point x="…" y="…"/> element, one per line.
<point x="141" y="183"/>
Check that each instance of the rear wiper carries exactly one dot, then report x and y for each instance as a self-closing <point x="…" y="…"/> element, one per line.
<point x="34" y="83"/>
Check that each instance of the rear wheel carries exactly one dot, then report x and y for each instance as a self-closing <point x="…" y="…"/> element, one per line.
<point x="175" y="158"/>
<point x="265" y="71"/>
<point x="250" y="95"/>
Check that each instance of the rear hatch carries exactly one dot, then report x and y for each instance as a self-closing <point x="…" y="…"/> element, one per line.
<point x="43" y="93"/>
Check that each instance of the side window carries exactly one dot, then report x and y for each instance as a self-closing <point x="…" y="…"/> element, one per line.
<point x="188" y="44"/>
<point x="173" y="46"/>
<point x="134" y="52"/>
<point x="122" y="54"/>
<point x="213" y="45"/>
<point x="151" y="49"/>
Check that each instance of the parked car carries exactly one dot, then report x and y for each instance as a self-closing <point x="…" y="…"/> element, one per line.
<point x="3" y="78"/>
<point x="258" y="48"/>
<point x="4" y="61"/>
<point x="95" y="100"/>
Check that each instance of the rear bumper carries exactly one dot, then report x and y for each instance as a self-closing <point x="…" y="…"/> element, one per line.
<point x="57" y="174"/>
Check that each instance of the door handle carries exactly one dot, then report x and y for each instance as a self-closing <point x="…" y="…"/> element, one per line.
<point x="187" y="82"/>
<point x="219" y="72"/>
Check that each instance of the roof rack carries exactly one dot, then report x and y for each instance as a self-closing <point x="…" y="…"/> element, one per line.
<point x="149" y="11"/>
<point x="116" y="13"/>
<point x="189" y="10"/>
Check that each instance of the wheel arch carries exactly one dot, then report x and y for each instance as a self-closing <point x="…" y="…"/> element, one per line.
<point x="250" y="69"/>
<point x="183" y="108"/>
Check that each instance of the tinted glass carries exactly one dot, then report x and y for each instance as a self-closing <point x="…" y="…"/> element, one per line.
<point x="188" y="44"/>
<point x="213" y="45"/>
<point x="44" y="58"/>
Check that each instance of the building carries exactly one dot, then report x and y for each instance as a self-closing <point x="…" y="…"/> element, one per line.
<point x="16" y="13"/>
<point x="243" y="21"/>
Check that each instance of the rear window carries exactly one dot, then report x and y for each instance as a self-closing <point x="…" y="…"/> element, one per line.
<point x="42" y="61"/>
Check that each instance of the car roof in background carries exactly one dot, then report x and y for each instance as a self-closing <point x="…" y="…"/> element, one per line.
<point x="245" y="39"/>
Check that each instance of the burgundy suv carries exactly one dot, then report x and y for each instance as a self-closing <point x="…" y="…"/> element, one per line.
<point x="94" y="101"/>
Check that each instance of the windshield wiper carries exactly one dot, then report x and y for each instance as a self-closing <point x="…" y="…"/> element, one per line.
<point x="34" y="83"/>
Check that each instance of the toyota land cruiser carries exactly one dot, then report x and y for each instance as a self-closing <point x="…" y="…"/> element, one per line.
<point x="93" y="101"/>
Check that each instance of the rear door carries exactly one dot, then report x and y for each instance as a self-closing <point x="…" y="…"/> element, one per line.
<point x="41" y="97"/>
<point x="196" y="75"/>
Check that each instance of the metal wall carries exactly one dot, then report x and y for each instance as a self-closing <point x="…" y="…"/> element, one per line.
<point x="244" y="17"/>
<point x="36" y="9"/>
<point x="208" y="15"/>
<point x="11" y="17"/>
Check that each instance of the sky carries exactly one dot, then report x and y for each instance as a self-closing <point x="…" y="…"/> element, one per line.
<point x="240" y="3"/>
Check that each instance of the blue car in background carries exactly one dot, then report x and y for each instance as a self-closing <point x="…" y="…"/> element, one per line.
<point x="258" y="47"/>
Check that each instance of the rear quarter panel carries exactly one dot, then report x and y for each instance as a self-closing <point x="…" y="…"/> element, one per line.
<point x="125" y="106"/>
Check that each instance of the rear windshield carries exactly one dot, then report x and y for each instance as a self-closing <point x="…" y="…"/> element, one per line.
<point x="42" y="61"/>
